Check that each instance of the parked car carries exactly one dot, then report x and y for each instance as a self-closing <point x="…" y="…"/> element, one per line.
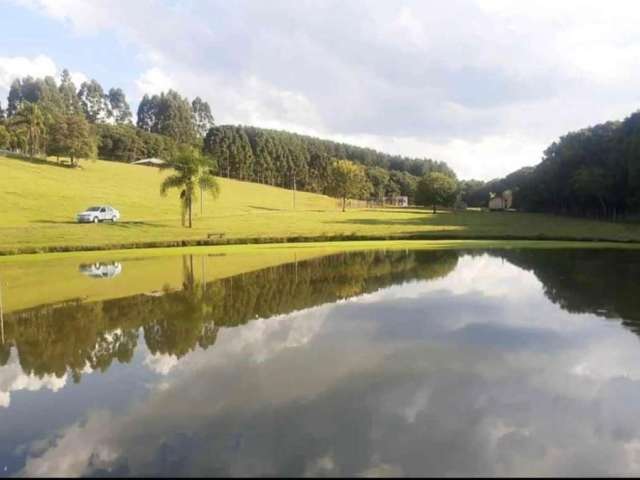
<point x="97" y="214"/>
<point x="101" y="270"/>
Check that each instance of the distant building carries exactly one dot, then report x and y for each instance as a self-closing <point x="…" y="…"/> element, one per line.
<point x="496" y="203"/>
<point x="150" y="162"/>
<point x="397" y="201"/>
<point x="501" y="201"/>
<point x="393" y="201"/>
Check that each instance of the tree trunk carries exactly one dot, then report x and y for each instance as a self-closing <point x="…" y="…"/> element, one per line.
<point x="344" y="203"/>
<point x="434" y="208"/>
<point x="190" y="223"/>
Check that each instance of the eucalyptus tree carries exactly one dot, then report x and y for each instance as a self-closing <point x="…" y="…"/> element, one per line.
<point x="69" y="94"/>
<point x="93" y="101"/>
<point x="119" y="110"/>
<point x="192" y="172"/>
<point x="202" y="116"/>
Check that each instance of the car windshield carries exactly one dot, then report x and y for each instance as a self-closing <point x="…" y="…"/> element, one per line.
<point x="93" y="209"/>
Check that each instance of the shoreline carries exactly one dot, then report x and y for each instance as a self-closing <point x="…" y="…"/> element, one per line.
<point x="337" y="243"/>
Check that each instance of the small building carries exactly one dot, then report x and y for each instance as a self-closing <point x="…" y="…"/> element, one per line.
<point x="501" y="201"/>
<point x="496" y="203"/>
<point x="150" y="162"/>
<point x="397" y="201"/>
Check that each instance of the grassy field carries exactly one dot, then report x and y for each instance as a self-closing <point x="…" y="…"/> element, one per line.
<point x="38" y="203"/>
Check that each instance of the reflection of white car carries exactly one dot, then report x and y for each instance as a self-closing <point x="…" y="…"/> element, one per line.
<point x="97" y="214"/>
<point x="101" y="270"/>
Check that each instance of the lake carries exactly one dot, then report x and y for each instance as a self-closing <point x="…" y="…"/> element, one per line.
<point x="398" y="362"/>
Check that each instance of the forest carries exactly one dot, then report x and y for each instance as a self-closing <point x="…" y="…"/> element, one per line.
<point x="45" y="117"/>
<point x="593" y="172"/>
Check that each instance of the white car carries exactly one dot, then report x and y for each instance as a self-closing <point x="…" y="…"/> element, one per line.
<point x="101" y="213"/>
<point x="101" y="270"/>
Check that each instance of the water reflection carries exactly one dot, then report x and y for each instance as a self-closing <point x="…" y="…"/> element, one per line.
<point x="71" y="337"/>
<point x="101" y="269"/>
<point x="396" y="363"/>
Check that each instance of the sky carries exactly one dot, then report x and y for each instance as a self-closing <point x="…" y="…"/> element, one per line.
<point x="485" y="85"/>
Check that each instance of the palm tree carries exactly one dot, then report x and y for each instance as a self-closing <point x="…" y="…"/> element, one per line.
<point x="31" y="119"/>
<point x="191" y="173"/>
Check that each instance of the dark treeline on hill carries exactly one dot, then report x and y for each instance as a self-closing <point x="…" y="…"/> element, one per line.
<point x="279" y="157"/>
<point x="45" y="117"/>
<point x="594" y="172"/>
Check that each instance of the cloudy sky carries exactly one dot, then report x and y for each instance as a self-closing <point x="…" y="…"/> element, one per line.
<point x="485" y="85"/>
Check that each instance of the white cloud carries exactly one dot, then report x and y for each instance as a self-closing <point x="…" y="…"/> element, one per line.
<point x="482" y="84"/>
<point x="16" y="67"/>
<point x="161" y="363"/>
<point x="154" y="81"/>
<point x="37" y="67"/>
<point x="75" y="449"/>
<point x="13" y="379"/>
<point x="78" y="78"/>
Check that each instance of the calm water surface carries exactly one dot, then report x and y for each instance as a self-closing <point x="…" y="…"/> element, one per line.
<point x="376" y="363"/>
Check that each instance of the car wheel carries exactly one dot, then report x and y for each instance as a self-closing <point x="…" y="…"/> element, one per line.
<point x="95" y="220"/>
<point x="113" y="219"/>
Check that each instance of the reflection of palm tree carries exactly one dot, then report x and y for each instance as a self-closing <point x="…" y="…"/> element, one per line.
<point x="187" y="319"/>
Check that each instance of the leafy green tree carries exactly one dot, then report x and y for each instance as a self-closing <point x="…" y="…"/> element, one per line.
<point x="69" y="94"/>
<point x="31" y="121"/>
<point x="119" y="109"/>
<point x="174" y="118"/>
<point x="592" y="182"/>
<point x="379" y="179"/>
<point x="191" y="173"/>
<point x="15" y="97"/>
<point x="202" y="117"/>
<point x="147" y="110"/>
<point x="348" y="180"/>
<point x="5" y="137"/>
<point x="168" y="114"/>
<point x="71" y="136"/>
<point x="93" y="101"/>
<point x="436" y="188"/>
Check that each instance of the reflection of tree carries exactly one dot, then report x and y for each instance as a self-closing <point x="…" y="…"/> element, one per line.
<point x="5" y="353"/>
<point x="604" y="282"/>
<point x="68" y="338"/>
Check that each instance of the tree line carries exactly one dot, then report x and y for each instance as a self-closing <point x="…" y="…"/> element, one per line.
<point x="593" y="172"/>
<point x="286" y="159"/>
<point x="45" y="117"/>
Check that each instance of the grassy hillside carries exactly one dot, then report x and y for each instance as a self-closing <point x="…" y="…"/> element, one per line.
<point x="38" y="203"/>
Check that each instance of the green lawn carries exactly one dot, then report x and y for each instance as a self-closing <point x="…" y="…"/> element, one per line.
<point x="38" y="203"/>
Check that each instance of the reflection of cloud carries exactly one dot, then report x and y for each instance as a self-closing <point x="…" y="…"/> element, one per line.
<point x="13" y="379"/>
<point x="161" y="363"/>
<point x="77" y="448"/>
<point x="407" y="382"/>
